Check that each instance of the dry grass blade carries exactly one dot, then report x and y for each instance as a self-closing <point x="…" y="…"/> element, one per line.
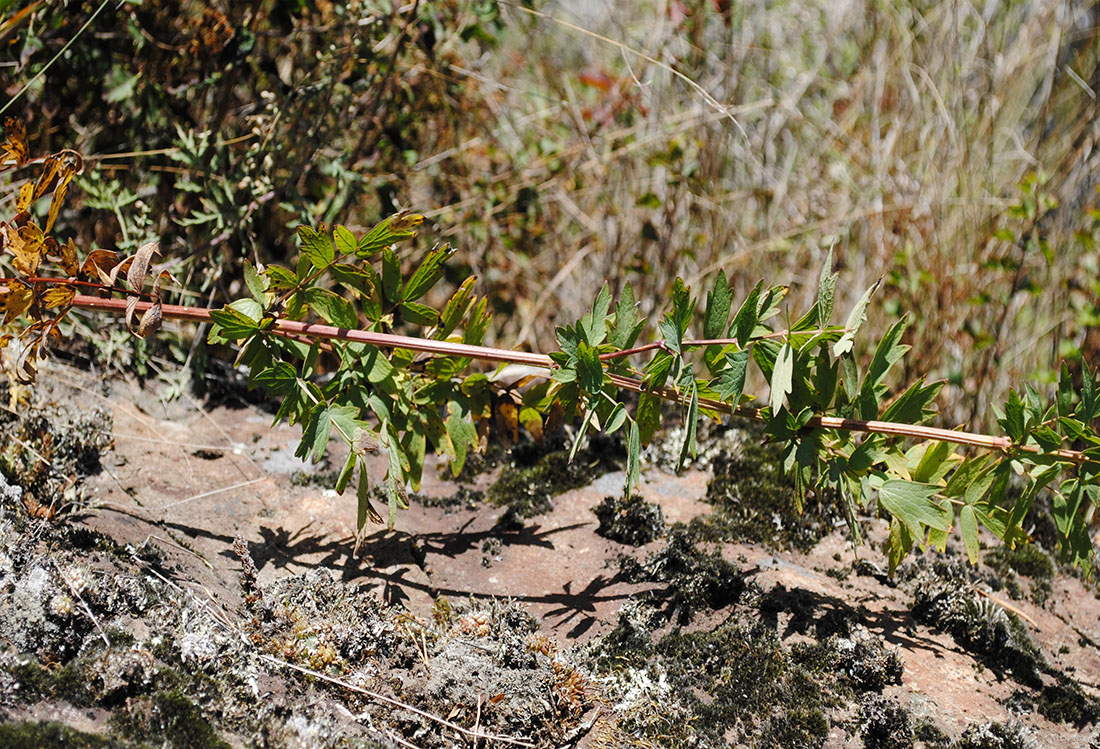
<point x="398" y="703"/>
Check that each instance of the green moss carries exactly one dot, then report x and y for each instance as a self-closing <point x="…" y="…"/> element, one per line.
<point x="932" y="736"/>
<point x="48" y="733"/>
<point x="754" y="502"/>
<point x="1028" y="560"/>
<point x="464" y="497"/>
<point x="1065" y="702"/>
<point x="750" y="684"/>
<point x="65" y="683"/>
<point x="629" y="520"/>
<point x="884" y="724"/>
<point x="694" y="579"/>
<point x="534" y="477"/>
<point x="994" y="736"/>
<point x="173" y="720"/>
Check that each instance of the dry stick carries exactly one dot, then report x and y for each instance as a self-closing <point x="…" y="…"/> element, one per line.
<point x="397" y="703"/>
<point x="507" y="356"/>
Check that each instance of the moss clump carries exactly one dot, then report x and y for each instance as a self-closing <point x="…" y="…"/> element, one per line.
<point x="866" y="663"/>
<point x="751" y="686"/>
<point x="884" y="724"/>
<point x="49" y="733"/>
<point x="994" y="736"/>
<point x="694" y="579"/>
<point x="754" y="502"/>
<point x="629" y="520"/>
<point x="1065" y="702"/>
<point x="932" y="736"/>
<point x="465" y="497"/>
<point x="533" y="476"/>
<point x="1028" y="560"/>
<point x="171" y="718"/>
<point x="36" y="682"/>
<point x="47" y="448"/>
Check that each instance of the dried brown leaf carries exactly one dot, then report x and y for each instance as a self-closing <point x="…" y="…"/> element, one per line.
<point x="26" y="197"/>
<point x="27" y="245"/>
<point x="98" y="263"/>
<point x="15" y="299"/>
<point x="507" y="418"/>
<point x="68" y="262"/>
<point x="15" y="149"/>
<point x="58" y="296"/>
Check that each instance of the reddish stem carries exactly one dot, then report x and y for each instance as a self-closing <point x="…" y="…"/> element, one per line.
<point x="485" y="353"/>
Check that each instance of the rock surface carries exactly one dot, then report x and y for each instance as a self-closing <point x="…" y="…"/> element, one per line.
<point x="171" y="575"/>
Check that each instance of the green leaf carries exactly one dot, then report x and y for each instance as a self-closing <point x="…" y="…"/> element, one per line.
<point x="388" y="231"/>
<point x="781" y="378"/>
<point x="910" y="407"/>
<point x="316" y="247"/>
<point x="345" y="472"/>
<point x="426" y="276"/>
<point x="826" y="290"/>
<point x="594" y="324"/>
<point x="456" y="308"/>
<point x="682" y="306"/>
<point x="463" y="436"/>
<point x="856" y="318"/>
<point x="648" y="416"/>
<point x="730" y="383"/>
<point x="656" y="372"/>
<point x="889" y="351"/>
<point x="911" y="504"/>
<point x="616" y="419"/>
<point x="316" y="428"/>
<point x="418" y="314"/>
<point x="354" y="277"/>
<point x="1086" y="409"/>
<point x="278" y="379"/>
<point x="391" y="275"/>
<point x="344" y="241"/>
<point x="365" y="508"/>
<point x="968" y="527"/>
<point x="1013" y="420"/>
<point x="633" y="459"/>
<point x="333" y="308"/>
<point x="279" y="278"/>
<point x="934" y="464"/>
<point x="691" y="424"/>
<point x="744" y="322"/>
<point x="233" y="325"/>
<point x="1065" y="392"/>
<point x="718" y="308"/>
<point x="376" y="367"/>
<point x="628" y="324"/>
<point x="589" y="369"/>
<point x="671" y="334"/>
<point x="257" y="284"/>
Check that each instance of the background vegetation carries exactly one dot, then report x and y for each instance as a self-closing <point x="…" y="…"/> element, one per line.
<point x="948" y="146"/>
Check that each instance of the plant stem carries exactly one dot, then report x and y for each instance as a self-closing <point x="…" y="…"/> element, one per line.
<point x="315" y="331"/>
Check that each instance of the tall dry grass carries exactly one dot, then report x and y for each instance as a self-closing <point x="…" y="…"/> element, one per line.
<point x="641" y="141"/>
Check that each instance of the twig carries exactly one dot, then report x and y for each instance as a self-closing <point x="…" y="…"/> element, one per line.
<point x="87" y="610"/>
<point x="507" y="356"/>
<point x="1006" y="606"/>
<point x="397" y="703"/>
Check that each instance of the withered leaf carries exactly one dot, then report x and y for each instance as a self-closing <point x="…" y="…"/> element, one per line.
<point x="139" y="268"/>
<point x="15" y="149"/>
<point x="58" y="296"/>
<point x="26" y="197"/>
<point x="97" y="264"/>
<point x="15" y="299"/>
<point x="68" y="262"/>
<point x="554" y="419"/>
<point x="26" y="244"/>
<point x="507" y="418"/>
<point x="364" y="441"/>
